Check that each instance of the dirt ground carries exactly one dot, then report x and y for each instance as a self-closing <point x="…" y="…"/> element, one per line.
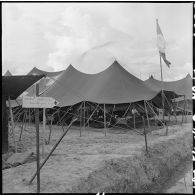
<point x="76" y="156"/>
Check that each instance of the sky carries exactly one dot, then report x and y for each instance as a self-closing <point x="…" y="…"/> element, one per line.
<point x="90" y="36"/>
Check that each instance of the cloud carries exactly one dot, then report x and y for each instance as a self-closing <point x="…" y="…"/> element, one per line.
<point x="90" y="36"/>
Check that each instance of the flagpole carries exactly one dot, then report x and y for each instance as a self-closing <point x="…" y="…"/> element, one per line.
<point x="162" y="93"/>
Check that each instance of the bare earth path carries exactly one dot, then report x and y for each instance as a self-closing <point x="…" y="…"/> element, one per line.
<point x="76" y="157"/>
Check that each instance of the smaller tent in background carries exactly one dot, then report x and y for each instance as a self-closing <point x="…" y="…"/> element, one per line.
<point x="44" y="83"/>
<point x="12" y="87"/>
<point x="181" y="87"/>
<point x="8" y="73"/>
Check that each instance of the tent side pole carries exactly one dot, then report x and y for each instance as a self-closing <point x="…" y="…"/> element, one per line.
<point x="22" y="126"/>
<point x="105" y="119"/>
<point x="44" y="122"/>
<point x="81" y="119"/>
<point x="185" y="109"/>
<point x="147" y="114"/>
<point x="84" y="115"/>
<point x="182" y="115"/>
<point x="12" y="124"/>
<point x="29" y="117"/>
<point x="134" y="117"/>
<point x="92" y="114"/>
<point x="176" y="104"/>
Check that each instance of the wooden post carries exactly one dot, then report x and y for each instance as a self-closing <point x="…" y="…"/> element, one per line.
<point x="134" y="116"/>
<point x="88" y="116"/>
<point x="145" y="135"/>
<point x="4" y="133"/>
<point x="182" y="115"/>
<point x="12" y="125"/>
<point x="44" y="122"/>
<point x="162" y="87"/>
<point x="22" y="127"/>
<point x="29" y="119"/>
<point x="37" y="141"/>
<point x="105" y="119"/>
<point x="185" y="109"/>
<point x="52" y="150"/>
<point x="147" y="114"/>
<point x="175" y="108"/>
<point x="84" y="115"/>
<point x="50" y="129"/>
<point x="81" y="119"/>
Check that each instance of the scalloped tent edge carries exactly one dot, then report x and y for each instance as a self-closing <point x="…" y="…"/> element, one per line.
<point x="114" y="85"/>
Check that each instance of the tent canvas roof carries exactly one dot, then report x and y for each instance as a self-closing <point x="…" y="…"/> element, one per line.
<point x="112" y="86"/>
<point x="44" y="83"/>
<point x="13" y="86"/>
<point x="181" y="87"/>
<point x="36" y="71"/>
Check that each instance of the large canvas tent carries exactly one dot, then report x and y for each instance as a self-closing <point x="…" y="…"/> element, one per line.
<point x="114" y="85"/>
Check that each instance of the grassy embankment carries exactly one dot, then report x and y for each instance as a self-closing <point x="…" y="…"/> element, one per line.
<point x="140" y="173"/>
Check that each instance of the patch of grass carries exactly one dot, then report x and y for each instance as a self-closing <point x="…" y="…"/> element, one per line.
<point x="142" y="172"/>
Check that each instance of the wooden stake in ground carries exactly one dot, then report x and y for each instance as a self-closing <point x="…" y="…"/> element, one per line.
<point x="37" y="140"/>
<point x="12" y="124"/>
<point x="145" y="135"/>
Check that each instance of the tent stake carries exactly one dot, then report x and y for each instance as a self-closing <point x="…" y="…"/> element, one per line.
<point x="52" y="150"/>
<point x="12" y="124"/>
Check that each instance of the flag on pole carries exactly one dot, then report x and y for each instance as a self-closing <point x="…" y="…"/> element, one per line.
<point x="161" y="44"/>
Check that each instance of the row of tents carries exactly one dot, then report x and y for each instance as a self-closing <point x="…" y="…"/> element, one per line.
<point x="114" y="85"/>
<point x="99" y="97"/>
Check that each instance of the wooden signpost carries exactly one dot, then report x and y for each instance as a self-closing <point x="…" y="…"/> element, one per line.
<point x="38" y="102"/>
<point x="145" y="135"/>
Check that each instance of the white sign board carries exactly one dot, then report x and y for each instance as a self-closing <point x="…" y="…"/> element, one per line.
<point x="38" y="102"/>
